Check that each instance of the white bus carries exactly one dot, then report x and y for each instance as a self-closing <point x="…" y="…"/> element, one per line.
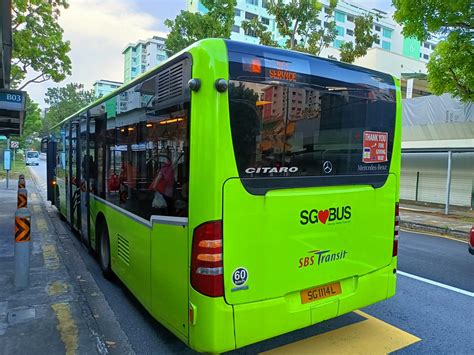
<point x="32" y="158"/>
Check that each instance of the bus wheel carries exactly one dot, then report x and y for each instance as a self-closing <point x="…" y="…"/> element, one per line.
<point x="104" y="252"/>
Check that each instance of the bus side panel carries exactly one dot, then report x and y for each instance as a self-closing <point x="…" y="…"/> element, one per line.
<point x="213" y="327"/>
<point x="129" y="249"/>
<point x="170" y="277"/>
<point x="94" y="208"/>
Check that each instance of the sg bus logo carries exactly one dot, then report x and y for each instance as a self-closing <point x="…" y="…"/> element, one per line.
<point x="329" y="215"/>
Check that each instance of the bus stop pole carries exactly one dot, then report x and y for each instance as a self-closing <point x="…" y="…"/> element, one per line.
<point x="448" y="183"/>
<point x="22" y="248"/>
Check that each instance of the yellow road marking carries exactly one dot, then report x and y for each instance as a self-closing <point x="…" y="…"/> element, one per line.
<point x="50" y="256"/>
<point x="57" y="288"/>
<point x="67" y="327"/>
<point x="370" y="336"/>
<point x="41" y="224"/>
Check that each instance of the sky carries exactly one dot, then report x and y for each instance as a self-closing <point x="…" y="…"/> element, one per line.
<point x="99" y="30"/>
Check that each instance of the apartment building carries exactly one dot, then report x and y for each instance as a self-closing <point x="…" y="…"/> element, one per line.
<point x="104" y="87"/>
<point x="142" y="56"/>
<point x="410" y="53"/>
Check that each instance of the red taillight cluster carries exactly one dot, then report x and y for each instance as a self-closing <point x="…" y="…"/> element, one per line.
<point x="206" y="259"/>
<point x="396" y="230"/>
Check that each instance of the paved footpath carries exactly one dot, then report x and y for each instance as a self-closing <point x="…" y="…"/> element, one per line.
<point x="430" y="219"/>
<point x="62" y="311"/>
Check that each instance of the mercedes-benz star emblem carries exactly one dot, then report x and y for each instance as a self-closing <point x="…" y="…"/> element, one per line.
<point x="327" y="166"/>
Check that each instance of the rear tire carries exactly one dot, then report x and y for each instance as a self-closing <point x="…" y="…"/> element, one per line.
<point x="104" y="252"/>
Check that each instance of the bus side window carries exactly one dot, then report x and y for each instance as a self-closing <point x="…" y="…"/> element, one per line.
<point x="167" y="162"/>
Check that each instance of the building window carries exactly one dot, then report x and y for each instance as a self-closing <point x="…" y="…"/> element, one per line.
<point x="265" y="4"/>
<point x="433" y="46"/>
<point x="338" y="43"/>
<point x="377" y="41"/>
<point x="387" y="33"/>
<point x="426" y="45"/>
<point x="237" y="12"/>
<point x="327" y="10"/>
<point x="326" y="24"/>
<point x="340" y="16"/>
<point x="340" y="31"/>
<point x="318" y="22"/>
<point x="426" y="56"/>
<point x="377" y="28"/>
<point x="350" y="32"/>
<point x="250" y="16"/>
<point x="235" y="29"/>
<point x="252" y="2"/>
<point x="265" y="21"/>
<point x="386" y="45"/>
<point x="350" y="18"/>
<point x="251" y="33"/>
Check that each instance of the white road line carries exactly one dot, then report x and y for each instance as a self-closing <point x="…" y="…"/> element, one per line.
<point x="431" y="282"/>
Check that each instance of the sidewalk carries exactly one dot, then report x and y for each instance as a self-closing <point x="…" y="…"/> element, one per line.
<point x="431" y="218"/>
<point x="63" y="311"/>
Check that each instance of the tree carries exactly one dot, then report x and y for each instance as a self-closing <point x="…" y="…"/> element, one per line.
<point x="364" y="39"/>
<point x="450" y="65"/>
<point x="297" y="21"/>
<point x="65" y="101"/>
<point x="32" y="124"/>
<point x="38" y="43"/>
<point x="189" y="27"/>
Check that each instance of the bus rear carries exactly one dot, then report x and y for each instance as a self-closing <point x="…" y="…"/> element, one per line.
<point x="309" y="223"/>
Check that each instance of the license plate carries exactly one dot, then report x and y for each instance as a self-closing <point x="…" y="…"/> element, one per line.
<point x="320" y="292"/>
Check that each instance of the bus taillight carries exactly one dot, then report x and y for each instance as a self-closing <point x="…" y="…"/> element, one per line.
<point x="396" y="229"/>
<point x="206" y="259"/>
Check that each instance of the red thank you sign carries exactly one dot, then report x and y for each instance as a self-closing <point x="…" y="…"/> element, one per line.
<point x="375" y="147"/>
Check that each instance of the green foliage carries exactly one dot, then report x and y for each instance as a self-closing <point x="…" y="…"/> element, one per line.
<point x="189" y="27"/>
<point x="451" y="63"/>
<point x="364" y="39"/>
<point x="451" y="66"/>
<point x="38" y="43"/>
<point x="65" y="101"/>
<point x="32" y="125"/>
<point x="260" y="31"/>
<point x="297" y="21"/>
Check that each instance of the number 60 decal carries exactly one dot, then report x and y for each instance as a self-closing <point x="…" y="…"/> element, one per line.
<point x="240" y="276"/>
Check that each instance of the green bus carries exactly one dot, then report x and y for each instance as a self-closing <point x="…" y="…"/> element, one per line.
<point x="239" y="191"/>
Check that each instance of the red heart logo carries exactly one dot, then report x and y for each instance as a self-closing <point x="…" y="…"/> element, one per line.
<point x="323" y="216"/>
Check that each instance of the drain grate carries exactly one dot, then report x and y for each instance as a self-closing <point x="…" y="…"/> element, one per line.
<point x="21" y="315"/>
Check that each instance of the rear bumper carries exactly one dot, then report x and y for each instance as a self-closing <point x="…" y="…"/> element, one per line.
<point x="218" y="329"/>
<point x="262" y="320"/>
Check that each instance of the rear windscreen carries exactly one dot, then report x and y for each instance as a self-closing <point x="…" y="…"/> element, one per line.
<point x="300" y="121"/>
<point x="32" y="155"/>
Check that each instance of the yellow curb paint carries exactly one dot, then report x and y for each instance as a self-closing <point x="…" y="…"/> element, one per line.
<point x="41" y="223"/>
<point x="57" y="288"/>
<point x="66" y="326"/>
<point x="370" y="336"/>
<point x="50" y="256"/>
<point x="432" y="234"/>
